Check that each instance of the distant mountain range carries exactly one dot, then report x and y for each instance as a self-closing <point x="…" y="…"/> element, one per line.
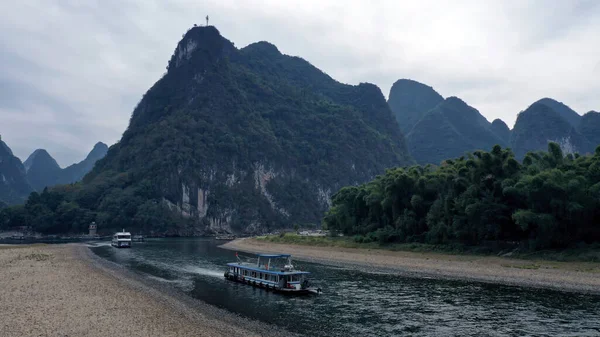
<point x="40" y="170"/>
<point x="437" y="129"/>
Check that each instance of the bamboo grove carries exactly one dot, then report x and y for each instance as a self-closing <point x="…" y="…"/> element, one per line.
<point x="548" y="201"/>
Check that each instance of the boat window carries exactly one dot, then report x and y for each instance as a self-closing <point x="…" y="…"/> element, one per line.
<point x="295" y="278"/>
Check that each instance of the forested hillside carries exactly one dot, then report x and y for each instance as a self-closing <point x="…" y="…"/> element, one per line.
<point x="501" y="130"/>
<point x="562" y="110"/>
<point x="449" y="130"/>
<point x="14" y="187"/>
<point x="589" y="127"/>
<point x="410" y="101"/>
<point x="231" y="140"/>
<point x="540" y="124"/>
<point x="42" y="170"/>
<point x="549" y="201"/>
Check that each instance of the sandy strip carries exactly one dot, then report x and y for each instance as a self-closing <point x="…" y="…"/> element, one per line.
<point x="65" y="290"/>
<point x="564" y="276"/>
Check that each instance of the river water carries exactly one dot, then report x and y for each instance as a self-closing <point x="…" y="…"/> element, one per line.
<point x="364" y="302"/>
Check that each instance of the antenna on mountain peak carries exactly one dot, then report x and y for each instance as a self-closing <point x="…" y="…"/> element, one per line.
<point x="207" y="20"/>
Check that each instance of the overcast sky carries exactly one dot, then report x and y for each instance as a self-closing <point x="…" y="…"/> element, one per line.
<point x="71" y="73"/>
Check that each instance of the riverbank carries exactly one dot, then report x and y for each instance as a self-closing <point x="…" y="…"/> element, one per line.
<point x="564" y="276"/>
<point x="66" y="290"/>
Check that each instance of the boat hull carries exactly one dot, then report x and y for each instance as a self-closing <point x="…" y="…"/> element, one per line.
<point x="268" y="287"/>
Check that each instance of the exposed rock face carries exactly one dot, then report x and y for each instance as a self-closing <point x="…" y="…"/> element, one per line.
<point x="410" y="100"/>
<point x="249" y="139"/>
<point x="14" y="187"/>
<point x="43" y="171"/>
<point x="450" y="130"/>
<point x="540" y="124"/>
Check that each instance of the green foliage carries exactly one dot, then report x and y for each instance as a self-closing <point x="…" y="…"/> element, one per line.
<point x="14" y="187"/>
<point x="551" y="201"/>
<point x="540" y="123"/>
<point x="451" y="129"/>
<point x="216" y="119"/>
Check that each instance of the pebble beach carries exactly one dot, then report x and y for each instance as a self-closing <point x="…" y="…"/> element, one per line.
<point x="65" y="290"/>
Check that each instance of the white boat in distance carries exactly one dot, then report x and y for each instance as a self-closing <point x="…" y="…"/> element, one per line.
<point x="121" y="239"/>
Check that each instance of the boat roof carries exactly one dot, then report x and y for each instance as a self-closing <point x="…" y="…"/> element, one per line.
<point x="122" y="233"/>
<point x="235" y="264"/>
<point x="271" y="256"/>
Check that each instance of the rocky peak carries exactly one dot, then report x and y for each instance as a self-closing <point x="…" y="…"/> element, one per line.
<point x="410" y="100"/>
<point x="14" y="187"/>
<point x="99" y="151"/>
<point x="540" y="124"/>
<point x="41" y="158"/>
<point x="589" y="127"/>
<point x="562" y="109"/>
<point x="501" y="130"/>
<point x="204" y="44"/>
<point x="263" y="48"/>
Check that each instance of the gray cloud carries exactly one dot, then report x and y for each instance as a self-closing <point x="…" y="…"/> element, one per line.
<point x="73" y="71"/>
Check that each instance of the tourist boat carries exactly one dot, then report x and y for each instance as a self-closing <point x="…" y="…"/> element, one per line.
<point x="121" y="239"/>
<point x="272" y="272"/>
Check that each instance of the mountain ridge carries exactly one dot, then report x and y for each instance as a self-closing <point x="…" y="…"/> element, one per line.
<point x="43" y="171"/>
<point x="409" y="100"/>
<point x="245" y="139"/>
<point x="14" y="187"/>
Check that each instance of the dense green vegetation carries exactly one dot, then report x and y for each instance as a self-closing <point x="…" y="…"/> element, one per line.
<point x="14" y="187"/>
<point x="589" y="127"/>
<point x="71" y="208"/>
<point x="234" y="139"/>
<point x="222" y="115"/>
<point x="42" y="170"/>
<point x="500" y="129"/>
<point x="410" y="101"/>
<point x="549" y="201"/>
<point x="538" y="124"/>
<point x="449" y="130"/>
<point x="566" y="113"/>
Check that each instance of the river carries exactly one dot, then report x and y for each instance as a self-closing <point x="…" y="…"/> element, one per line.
<point x="360" y="302"/>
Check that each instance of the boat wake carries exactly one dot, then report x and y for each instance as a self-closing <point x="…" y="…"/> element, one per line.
<point x="203" y="271"/>
<point x="98" y="244"/>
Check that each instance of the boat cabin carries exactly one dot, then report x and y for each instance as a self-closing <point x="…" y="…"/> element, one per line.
<point x="121" y="240"/>
<point x="274" y="271"/>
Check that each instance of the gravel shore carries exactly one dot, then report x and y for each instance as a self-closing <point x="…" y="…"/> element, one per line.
<point x="564" y="276"/>
<point x="65" y="290"/>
